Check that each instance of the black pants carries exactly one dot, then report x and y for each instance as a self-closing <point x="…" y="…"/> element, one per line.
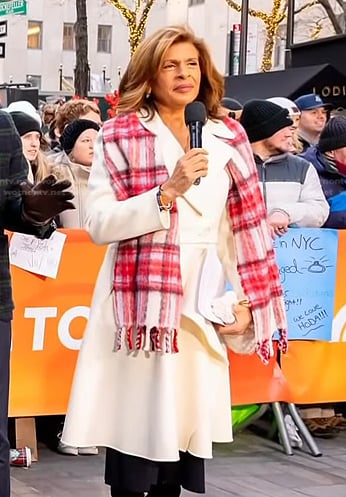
<point x="131" y="476"/>
<point x="5" y="344"/>
<point x="165" y="490"/>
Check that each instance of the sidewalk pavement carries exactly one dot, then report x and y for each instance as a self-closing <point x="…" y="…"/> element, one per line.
<point x="250" y="467"/>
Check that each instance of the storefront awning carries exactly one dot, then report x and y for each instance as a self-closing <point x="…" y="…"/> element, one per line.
<point x="291" y="83"/>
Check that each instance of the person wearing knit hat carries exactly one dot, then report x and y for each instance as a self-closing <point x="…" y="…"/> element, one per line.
<point x="262" y="119"/>
<point x="26" y="107"/>
<point x="329" y="159"/>
<point x="25" y="123"/>
<point x="77" y="141"/>
<point x="30" y="133"/>
<point x="290" y="185"/>
<point x="294" y="114"/>
<point x="333" y="139"/>
<point x="73" y="131"/>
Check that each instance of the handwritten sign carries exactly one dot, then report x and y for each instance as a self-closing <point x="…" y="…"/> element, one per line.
<point x="36" y="255"/>
<point x="307" y="262"/>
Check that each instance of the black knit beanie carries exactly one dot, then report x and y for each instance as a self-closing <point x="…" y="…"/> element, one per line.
<point x="25" y="123"/>
<point x="261" y="119"/>
<point x="333" y="135"/>
<point x="73" y="130"/>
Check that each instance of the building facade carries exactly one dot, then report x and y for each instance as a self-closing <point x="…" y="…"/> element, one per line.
<point x="40" y="46"/>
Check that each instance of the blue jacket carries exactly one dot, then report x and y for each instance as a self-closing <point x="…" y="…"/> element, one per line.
<point x="333" y="185"/>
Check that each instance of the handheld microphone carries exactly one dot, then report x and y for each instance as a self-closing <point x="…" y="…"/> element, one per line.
<point x="195" y="118"/>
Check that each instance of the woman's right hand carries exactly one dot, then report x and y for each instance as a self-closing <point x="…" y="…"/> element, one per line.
<point x="193" y="165"/>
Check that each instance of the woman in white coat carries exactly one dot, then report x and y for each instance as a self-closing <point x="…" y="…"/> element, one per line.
<point x="152" y="379"/>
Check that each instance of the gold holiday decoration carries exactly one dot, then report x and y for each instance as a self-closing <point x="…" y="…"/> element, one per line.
<point x="272" y="21"/>
<point x="136" y="19"/>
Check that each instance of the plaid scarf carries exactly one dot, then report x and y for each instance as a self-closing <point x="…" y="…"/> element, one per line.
<point x="147" y="281"/>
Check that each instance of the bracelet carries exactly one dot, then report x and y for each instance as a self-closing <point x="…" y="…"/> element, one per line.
<point x="245" y="303"/>
<point x="159" y="197"/>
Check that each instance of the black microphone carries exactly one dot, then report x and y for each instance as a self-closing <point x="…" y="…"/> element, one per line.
<point x="195" y="118"/>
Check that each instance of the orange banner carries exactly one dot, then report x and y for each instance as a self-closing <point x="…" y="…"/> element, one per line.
<point x="48" y="326"/>
<point x="314" y="370"/>
<point x="50" y="318"/>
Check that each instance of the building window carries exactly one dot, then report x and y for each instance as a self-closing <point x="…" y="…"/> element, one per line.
<point x="195" y="2"/>
<point x="67" y="83"/>
<point x="104" y="38"/>
<point x="35" y="34"/>
<point x="68" y="37"/>
<point x="35" y="80"/>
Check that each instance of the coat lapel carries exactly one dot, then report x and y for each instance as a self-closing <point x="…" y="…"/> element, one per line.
<point x="169" y="151"/>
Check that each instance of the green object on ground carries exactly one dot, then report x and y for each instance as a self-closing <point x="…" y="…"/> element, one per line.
<point x="241" y="414"/>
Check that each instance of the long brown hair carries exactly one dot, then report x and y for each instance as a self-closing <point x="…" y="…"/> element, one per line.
<point x="40" y="167"/>
<point x="146" y="62"/>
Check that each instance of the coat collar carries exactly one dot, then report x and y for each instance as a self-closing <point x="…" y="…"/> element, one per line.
<point x="219" y="153"/>
<point x="215" y="127"/>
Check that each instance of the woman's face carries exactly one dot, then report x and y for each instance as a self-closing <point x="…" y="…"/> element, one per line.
<point x="179" y="77"/>
<point x="83" y="150"/>
<point x="31" y="145"/>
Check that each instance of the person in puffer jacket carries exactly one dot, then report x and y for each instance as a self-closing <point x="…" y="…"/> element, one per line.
<point x="290" y="184"/>
<point x="329" y="159"/>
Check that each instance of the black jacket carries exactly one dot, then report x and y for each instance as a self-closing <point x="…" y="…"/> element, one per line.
<point x="13" y="170"/>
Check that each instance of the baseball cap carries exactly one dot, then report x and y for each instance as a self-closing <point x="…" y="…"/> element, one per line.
<point x="311" y="101"/>
<point x="285" y="103"/>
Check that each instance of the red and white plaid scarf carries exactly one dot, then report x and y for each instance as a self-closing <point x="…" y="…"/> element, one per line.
<point x="147" y="281"/>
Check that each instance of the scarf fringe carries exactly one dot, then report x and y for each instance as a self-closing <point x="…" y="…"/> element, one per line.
<point x="264" y="351"/>
<point x="154" y="339"/>
<point x="283" y="340"/>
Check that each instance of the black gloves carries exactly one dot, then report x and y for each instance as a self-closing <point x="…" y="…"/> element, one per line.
<point x="46" y="199"/>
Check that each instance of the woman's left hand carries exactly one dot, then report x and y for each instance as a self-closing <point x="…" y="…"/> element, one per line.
<point x="243" y="320"/>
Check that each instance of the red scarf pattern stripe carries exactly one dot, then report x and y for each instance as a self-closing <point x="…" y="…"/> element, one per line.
<point x="259" y="273"/>
<point x="147" y="281"/>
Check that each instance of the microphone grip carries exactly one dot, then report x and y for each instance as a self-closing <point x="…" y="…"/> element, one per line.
<point x="196" y="140"/>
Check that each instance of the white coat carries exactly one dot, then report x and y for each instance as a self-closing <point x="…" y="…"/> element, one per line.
<point x="153" y="405"/>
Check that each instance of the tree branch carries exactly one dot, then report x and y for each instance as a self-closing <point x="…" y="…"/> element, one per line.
<point x="125" y="11"/>
<point x="143" y="20"/>
<point x="254" y="13"/>
<point x="331" y="14"/>
<point x="306" y="6"/>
